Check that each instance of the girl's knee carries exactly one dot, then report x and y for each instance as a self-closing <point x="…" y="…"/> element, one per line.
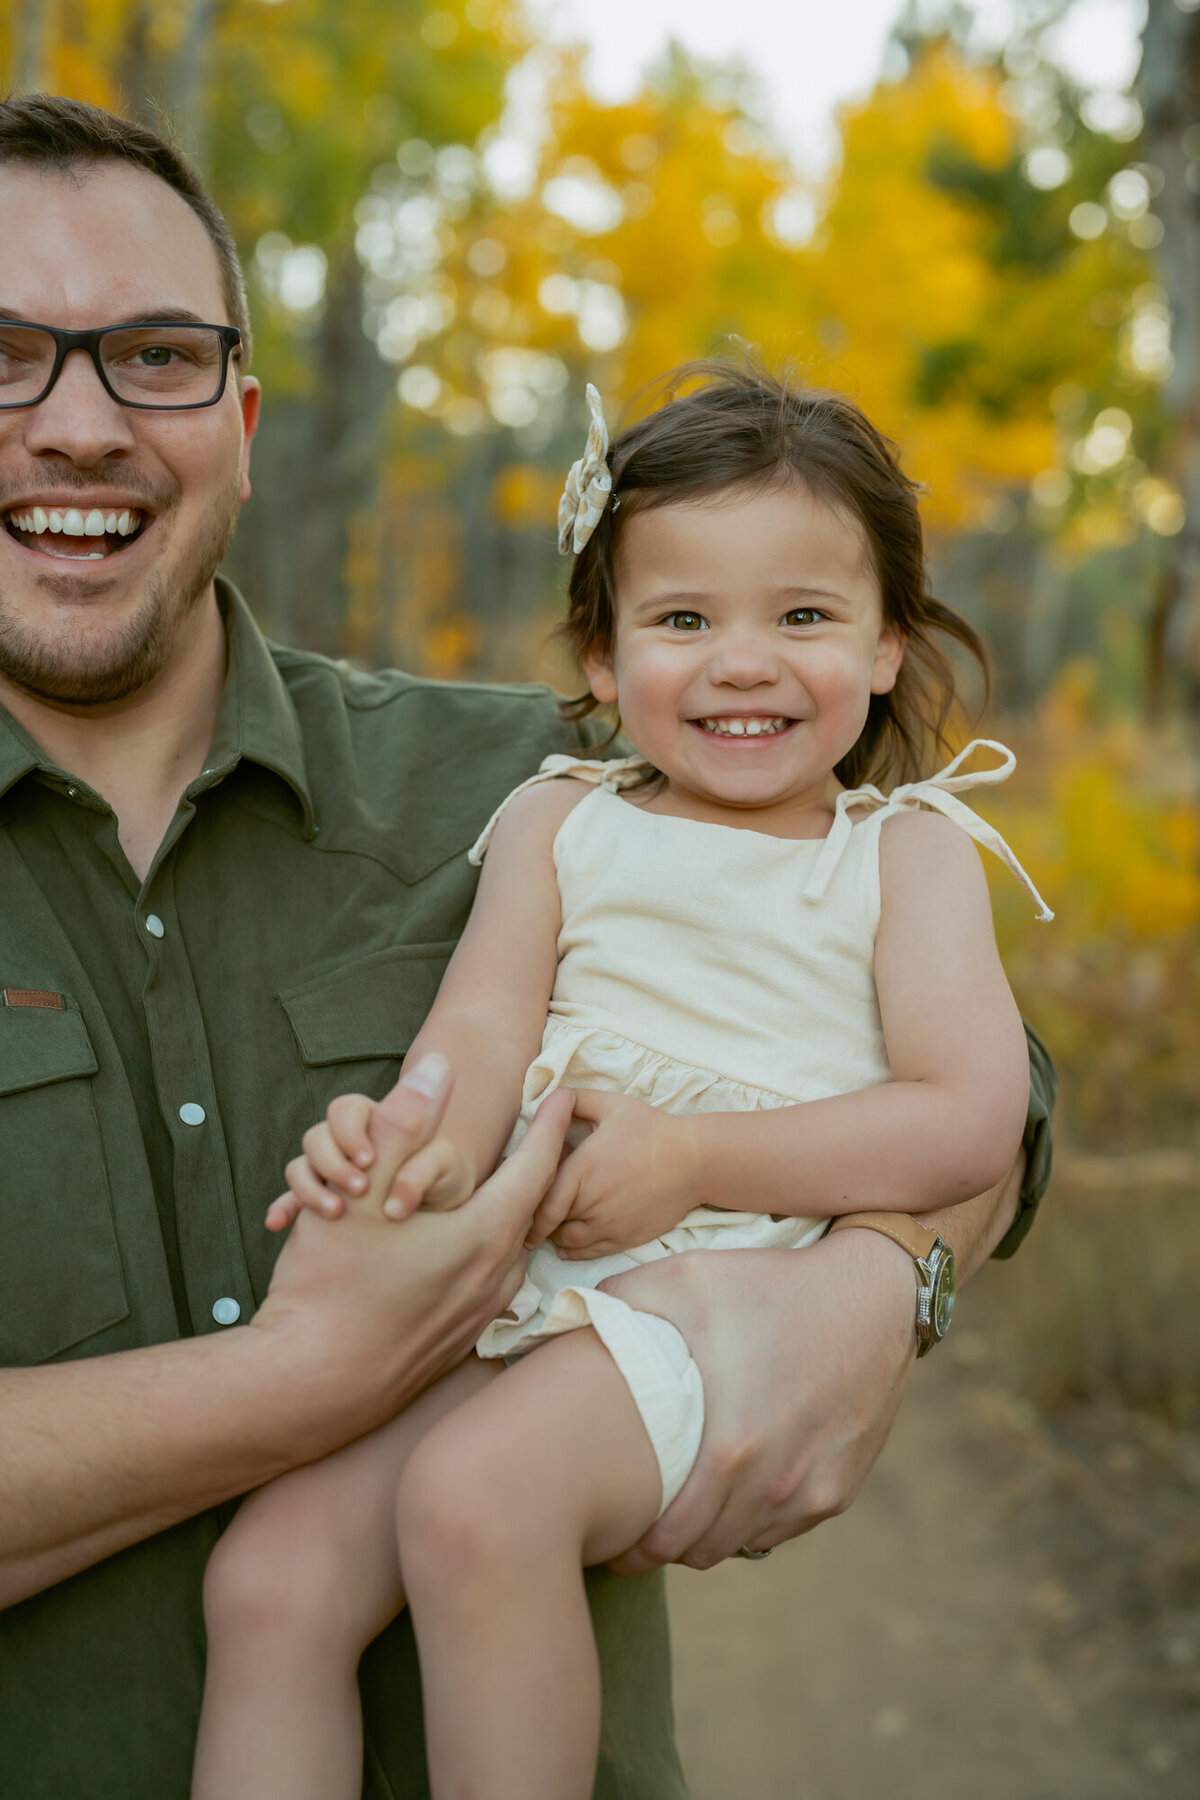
<point x="281" y="1590"/>
<point x="450" y="1505"/>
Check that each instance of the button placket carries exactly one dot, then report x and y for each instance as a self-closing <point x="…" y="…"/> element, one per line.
<point x="213" y="1255"/>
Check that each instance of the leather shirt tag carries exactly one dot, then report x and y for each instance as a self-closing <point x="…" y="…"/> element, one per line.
<point x="34" y="997"/>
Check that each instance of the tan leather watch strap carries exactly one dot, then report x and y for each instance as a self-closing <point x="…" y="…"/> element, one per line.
<point x="902" y="1228"/>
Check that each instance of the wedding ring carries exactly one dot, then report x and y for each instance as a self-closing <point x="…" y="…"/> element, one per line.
<point x="753" y="1555"/>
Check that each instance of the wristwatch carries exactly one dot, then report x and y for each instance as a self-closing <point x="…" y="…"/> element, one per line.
<point x="933" y="1262"/>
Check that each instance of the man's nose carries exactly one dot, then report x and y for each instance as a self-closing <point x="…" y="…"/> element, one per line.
<point x="78" y="420"/>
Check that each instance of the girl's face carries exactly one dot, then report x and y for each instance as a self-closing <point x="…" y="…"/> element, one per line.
<point x="750" y="637"/>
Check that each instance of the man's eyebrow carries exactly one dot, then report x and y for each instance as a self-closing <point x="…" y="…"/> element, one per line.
<point x="165" y="315"/>
<point x="159" y="315"/>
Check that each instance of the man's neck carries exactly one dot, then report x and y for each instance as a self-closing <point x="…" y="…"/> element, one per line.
<point x="140" y="754"/>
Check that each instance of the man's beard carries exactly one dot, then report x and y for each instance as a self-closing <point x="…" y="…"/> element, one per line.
<point x="99" y="671"/>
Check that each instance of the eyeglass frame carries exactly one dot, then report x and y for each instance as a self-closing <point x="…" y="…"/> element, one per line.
<point x="229" y="336"/>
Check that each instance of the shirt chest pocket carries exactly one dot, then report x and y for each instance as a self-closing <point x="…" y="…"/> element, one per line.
<point x="60" y="1268"/>
<point x="353" y="1025"/>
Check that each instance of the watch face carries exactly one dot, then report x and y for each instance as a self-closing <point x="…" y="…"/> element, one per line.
<point x="945" y="1286"/>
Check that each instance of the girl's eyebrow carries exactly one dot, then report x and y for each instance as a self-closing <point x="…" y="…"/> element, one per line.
<point x="672" y="597"/>
<point x="809" y="593"/>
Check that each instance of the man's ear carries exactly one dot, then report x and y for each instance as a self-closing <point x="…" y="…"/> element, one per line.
<point x="597" y="666"/>
<point x="889" y="654"/>
<point x="250" y="400"/>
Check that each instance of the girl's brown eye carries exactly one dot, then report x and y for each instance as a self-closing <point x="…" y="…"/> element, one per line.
<point x="685" y="621"/>
<point x="802" y="615"/>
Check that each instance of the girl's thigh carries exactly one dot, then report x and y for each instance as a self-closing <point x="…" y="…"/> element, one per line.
<point x="338" y="1515"/>
<point x="558" y="1449"/>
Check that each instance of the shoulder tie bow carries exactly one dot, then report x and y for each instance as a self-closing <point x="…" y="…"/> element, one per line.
<point x="938" y="793"/>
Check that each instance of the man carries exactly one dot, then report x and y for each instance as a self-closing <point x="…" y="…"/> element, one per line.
<point x="230" y="877"/>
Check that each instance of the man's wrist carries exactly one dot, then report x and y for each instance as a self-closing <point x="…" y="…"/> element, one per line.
<point x="877" y="1278"/>
<point x="932" y="1262"/>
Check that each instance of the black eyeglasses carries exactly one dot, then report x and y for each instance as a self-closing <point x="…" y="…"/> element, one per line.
<point x="156" y="366"/>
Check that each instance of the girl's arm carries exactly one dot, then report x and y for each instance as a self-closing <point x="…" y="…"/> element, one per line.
<point x="490" y="1011"/>
<point x="486" y="1023"/>
<point x="947" y="1127"/>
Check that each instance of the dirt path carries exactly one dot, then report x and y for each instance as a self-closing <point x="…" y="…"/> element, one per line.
<point x="938" y="1642"/>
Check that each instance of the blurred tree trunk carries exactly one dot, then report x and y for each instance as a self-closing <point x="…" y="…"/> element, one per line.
<point x="1170" y="93"/>
<point x="31" y="45"/>
<point x="191" y="85"/>
<point x="136" y="72"/>
<point x="316" y="462"/>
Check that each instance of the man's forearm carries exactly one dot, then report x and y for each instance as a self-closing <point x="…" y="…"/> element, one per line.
<point x="361" y="1316"/>
<point x="974" y="1228"/>
<point x="103" y="1452"/>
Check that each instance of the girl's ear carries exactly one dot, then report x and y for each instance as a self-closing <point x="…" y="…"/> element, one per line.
<point x="597" y="666"/>
<point x="889" y="654"/>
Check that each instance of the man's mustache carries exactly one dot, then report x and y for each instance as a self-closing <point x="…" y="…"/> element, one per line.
<point x="152" y="496"/>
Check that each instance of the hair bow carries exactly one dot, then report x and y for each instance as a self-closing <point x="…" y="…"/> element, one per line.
<point x="589" y="484"/>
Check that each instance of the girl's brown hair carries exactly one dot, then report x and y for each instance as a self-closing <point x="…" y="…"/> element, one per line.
<point x="738" y="426"/>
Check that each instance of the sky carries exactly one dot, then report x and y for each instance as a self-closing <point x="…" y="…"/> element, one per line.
<point x="811" y="54"/>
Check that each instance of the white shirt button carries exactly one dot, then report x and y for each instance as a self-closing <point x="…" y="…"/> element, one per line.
<point x="226" y="1310"/>
<point x="191" y="1114"/>
<point x="154" y="925"/>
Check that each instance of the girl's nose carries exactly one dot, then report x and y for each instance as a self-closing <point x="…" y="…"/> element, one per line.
<point x="743" y="659"/>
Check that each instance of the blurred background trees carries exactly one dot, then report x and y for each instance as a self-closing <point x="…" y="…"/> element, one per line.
<point x="445" y="234"/>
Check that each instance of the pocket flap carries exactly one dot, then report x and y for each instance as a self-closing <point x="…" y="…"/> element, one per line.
<point x="372" y="1008"/>
<point x="40" y="1044"/>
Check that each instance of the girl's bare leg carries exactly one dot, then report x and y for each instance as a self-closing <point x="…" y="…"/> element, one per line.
<point x="301" y="1582"/>
<point x="500" y="1508"/>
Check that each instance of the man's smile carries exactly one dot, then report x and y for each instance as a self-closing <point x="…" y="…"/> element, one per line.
<point x="70" y="532"/>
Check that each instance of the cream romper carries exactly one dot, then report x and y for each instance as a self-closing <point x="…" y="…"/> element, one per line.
<point x="704" y="968"/>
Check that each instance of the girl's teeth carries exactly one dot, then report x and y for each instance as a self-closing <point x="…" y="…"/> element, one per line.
<point x="743" y="727"/>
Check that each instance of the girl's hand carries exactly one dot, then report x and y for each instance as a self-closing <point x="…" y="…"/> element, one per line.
<point x="339" y="1164"/>
<point x="631" y="1180"/>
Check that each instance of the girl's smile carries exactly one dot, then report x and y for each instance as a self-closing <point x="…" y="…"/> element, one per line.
<point x="749" y="640"/>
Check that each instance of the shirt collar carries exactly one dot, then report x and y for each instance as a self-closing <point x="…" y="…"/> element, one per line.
<point x="255" y="716"/>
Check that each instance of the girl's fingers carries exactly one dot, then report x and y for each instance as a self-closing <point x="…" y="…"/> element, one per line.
<point x="282" y="1212"/>
<point x="406" y="1119"/>
<point x="348" y="1118"/>
<point x="432" y="1177"/>
<point x="594" y="1105"/>
<point x="326" y="1157"/>
<point x="555" y="1207"/>
<point x="308" y="1190"/>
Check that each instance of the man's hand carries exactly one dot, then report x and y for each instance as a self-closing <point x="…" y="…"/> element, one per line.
<point x="374" y="1311"/>
<point x="340" y="1161"/>
<point x="360" y="1316"/>
<point x="804" y="1358"/>
<point x="630" y="1181"/>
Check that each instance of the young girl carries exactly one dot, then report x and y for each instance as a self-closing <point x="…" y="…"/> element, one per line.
<point x="776" y="996"/>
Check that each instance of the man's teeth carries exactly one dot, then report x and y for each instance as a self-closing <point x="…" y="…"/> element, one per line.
<point x="744" y="727"/>
<point x="71" y="522"/>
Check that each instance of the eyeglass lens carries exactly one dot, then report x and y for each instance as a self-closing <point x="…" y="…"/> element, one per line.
<point x="150" y="365"/>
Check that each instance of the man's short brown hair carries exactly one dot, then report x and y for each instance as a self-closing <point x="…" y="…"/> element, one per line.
<point x="53" y="132"/>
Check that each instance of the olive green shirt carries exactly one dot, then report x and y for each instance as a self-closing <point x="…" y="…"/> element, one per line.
<point x="163" y="1045"/>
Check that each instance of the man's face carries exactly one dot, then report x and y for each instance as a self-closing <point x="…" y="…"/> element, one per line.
<point x="94" y="246"/>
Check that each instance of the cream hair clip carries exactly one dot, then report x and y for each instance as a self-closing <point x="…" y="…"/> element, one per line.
<point x="589" y="484"/>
